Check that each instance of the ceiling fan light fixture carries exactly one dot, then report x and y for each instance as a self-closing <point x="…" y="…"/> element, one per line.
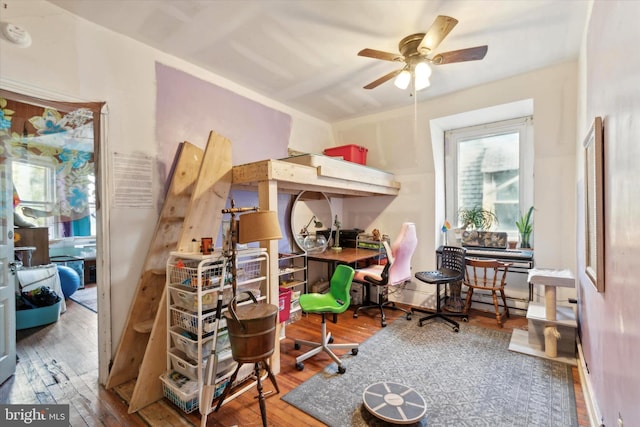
<point x="403" y="79"/>
<point x="414" y="49"/>
<point x="423" y="70"/>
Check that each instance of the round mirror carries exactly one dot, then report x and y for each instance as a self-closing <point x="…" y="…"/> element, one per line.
<point x="311" y="221"/>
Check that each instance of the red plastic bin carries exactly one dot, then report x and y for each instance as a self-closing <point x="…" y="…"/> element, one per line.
<point x="352" y="153"/>
<point x="284" y="304"/>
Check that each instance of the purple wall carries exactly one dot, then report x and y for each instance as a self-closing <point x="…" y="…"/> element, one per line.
<point x="188" y="108"/>
<point x="610" y="329"/>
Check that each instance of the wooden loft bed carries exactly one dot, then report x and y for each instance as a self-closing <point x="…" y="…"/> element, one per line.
<point x="336" y="178"/>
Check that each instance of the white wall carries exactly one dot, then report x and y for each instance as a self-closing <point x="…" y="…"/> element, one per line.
<point x="392" y="146"/>
<point x="610" y="329"/>
<point x="82" y="61"/>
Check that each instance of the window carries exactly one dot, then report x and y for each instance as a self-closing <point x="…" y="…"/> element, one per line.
<point x="491" y="166"/>
<point x="34" y="184"/>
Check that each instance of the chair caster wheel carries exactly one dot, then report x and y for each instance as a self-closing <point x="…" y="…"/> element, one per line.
<point x="383" y="324"/>
<point x="464" y="319"/>
<point x="296" y="346"/>
<point x="355" y="315"/>
<point x="354" y="351"/>
<point x="342" y="369"/>
<point x="408" y="316"/>
<point x="330" y="340"/>
<point x="299" y="366"/>
<point x="456" y="330"/>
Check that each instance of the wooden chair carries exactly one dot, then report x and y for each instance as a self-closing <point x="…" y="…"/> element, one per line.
<point x="487" y="275"/>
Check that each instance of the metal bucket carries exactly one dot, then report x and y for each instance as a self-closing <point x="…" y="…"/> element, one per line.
<point x="252" y="330"/>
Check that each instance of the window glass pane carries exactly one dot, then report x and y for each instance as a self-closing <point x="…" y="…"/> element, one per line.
<point x="488" y="176"/>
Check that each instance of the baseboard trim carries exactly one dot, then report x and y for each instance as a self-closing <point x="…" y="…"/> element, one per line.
<point x="595" y="416"/>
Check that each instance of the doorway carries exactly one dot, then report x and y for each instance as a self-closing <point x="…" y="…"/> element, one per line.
<point x="54" y="148"/>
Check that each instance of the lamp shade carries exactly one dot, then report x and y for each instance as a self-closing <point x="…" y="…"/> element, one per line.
<point x="403" y="79"/>
<point x="258" y="226"/>
<point x="422" y="74"/>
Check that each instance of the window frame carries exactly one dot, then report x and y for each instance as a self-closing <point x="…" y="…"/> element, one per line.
<point x="452" y="139"/>
<point x="51" y="196"/>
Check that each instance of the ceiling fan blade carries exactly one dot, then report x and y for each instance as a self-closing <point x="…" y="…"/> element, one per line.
<point x="438" y="31"/>
<point x="462" y="55"/>
<point x="383" y="79"/>
<point x="378" y="54"/>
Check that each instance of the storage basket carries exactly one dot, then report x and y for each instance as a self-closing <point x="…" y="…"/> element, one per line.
<point x="352" y="153"/>
<point x="37" y="316"/>
<point x="183" y="341"/>
<point x="185" y="273"/>
<point x="248" y="269"/>
<point x="181" y="363"/>
<point x="189" y="321"/>
<point x="181" y="391"/>
<point x="284" y="304"/>
<point x="188" y="299"/>
<point x="184" y="365"/>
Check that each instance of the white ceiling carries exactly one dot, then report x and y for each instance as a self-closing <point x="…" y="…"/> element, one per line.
<point x="303" y="53"/>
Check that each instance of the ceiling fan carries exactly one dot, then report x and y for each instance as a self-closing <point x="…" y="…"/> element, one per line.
<point x="415" y="51"/>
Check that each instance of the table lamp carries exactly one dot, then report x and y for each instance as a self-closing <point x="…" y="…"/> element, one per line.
<point x="252" y="326"/>
<point x="254" y="226"/>
<point x="305" y="230"/>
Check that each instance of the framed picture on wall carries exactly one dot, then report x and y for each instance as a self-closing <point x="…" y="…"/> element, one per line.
<point x="594" y="204"/>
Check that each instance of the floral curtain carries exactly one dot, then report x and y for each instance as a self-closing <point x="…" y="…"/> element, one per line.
<point x="64" y="139"/>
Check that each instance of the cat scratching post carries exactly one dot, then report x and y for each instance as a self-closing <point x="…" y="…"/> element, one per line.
<point x="546" y="331"/>
<point x="551" y="328"/>
<point x="551" y="337"/>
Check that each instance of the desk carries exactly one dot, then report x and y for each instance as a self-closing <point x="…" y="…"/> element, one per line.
<point x="347" y="256"/>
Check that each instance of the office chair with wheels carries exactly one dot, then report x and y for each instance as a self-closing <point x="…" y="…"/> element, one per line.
<point x="395" y="272"/>
<point x="451" y="269"/>
<point x="336" y="301"/>
<point x="487" y="275"/>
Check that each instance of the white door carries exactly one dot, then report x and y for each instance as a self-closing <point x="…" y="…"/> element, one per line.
<point x="7" y="278"/>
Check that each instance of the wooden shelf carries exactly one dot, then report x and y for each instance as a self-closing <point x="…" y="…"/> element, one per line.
<point x="292" y="284"/>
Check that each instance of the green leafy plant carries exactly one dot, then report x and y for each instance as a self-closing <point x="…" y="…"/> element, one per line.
<point x="525" y="227"/>
<point x="480" y="218"/>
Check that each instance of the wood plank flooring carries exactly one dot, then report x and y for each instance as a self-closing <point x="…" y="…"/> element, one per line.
<point x="59" y="364"/>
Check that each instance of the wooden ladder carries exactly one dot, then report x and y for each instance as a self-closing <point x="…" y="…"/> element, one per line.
<point x="192" y="209"/>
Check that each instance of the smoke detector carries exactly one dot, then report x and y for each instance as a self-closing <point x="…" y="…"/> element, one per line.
<point x="16" y="34"/>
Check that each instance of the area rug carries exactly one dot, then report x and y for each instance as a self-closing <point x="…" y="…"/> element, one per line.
<point x="87" y="297"/>
<point x="468" y="378"/>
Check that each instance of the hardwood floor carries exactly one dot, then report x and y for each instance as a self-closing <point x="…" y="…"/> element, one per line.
<point x="59" y="364"/>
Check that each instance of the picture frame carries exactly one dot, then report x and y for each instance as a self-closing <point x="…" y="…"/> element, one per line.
<point x="594" y="204"/>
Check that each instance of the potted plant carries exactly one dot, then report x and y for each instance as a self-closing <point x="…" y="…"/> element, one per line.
<point x="478" y="217"/>
<point x="525" y="227"/>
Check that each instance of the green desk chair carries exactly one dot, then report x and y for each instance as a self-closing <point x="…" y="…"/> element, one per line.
<point x="336" y="301"/>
